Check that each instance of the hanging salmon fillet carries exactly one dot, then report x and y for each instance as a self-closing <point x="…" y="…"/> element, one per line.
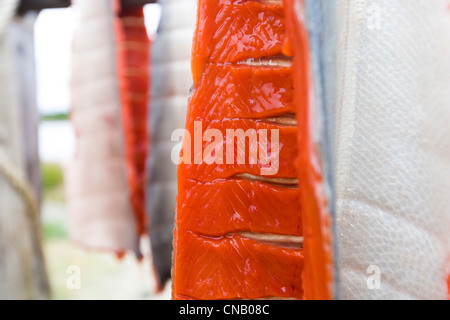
<point x="389" y="156"/>
<point x="109" y="100"/>
<point x="133" y="59"/>
<point x="238" y="231"/>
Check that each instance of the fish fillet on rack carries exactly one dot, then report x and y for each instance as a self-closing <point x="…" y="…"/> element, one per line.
<point x="238" y="231"/>
<point x="109" y="101"/>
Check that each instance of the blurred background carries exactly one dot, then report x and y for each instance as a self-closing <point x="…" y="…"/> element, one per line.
<point x="90" y="93"/>
<point x="102" y="273"/>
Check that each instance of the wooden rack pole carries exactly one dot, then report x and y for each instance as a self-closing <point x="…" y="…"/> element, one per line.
<point x="28" y="5"/>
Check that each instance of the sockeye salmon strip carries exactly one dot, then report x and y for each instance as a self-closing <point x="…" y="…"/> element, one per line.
<point x="133" y="56"/>
<point x="238" y="230"/>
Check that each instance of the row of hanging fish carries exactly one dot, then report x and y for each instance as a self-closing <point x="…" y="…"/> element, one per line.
<point x="315" y="157"/>
<point x="124" y="124"/>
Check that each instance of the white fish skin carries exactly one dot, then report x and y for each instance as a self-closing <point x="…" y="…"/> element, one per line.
<point x="393" y="148"/>
<point x="100" y="214"/>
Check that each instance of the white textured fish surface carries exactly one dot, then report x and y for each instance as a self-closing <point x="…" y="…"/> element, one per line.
<point x="393" y="148"/>
<point x="98" y="199"/>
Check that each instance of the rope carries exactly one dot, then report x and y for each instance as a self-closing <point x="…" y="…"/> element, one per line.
<point x="9" y="169"/>
<point x="14" y="176"/>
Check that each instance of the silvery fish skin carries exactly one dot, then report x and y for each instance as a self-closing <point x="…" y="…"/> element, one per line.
<point x="170" y="83"/>
<point x="321" y="26"/>
<point x="393" y="148"/>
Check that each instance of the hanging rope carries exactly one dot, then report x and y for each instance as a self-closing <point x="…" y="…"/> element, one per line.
<point x="14" y="176"/>
<point x="9" y="169"/>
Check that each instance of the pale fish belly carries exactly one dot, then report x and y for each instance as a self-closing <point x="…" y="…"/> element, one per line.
<point x="393" y="149"/>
